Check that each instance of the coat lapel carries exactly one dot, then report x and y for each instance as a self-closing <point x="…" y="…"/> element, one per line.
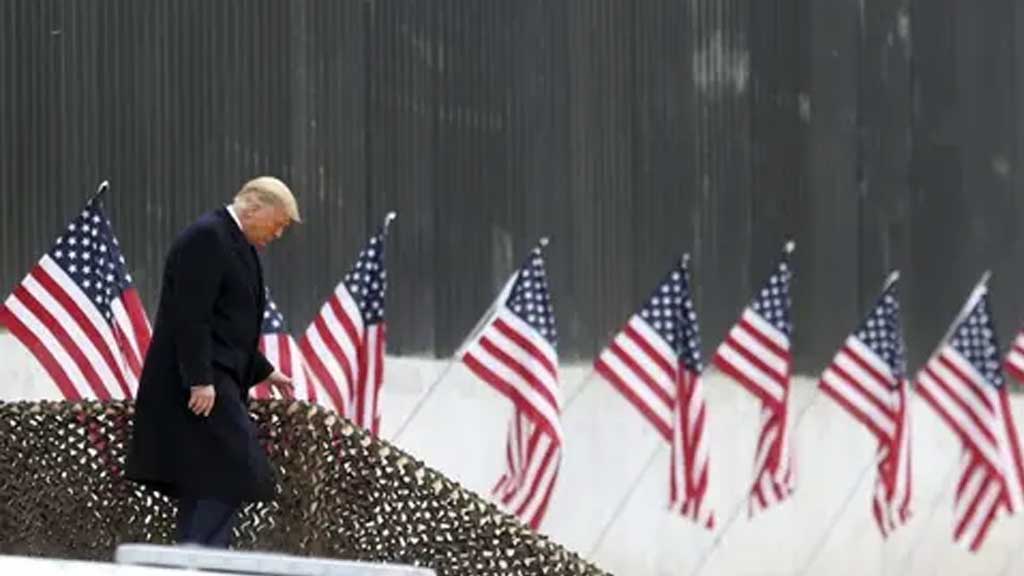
<point x="239" y="244"/>
<point x="261" y="295"/>
<point x="250" y="259"/>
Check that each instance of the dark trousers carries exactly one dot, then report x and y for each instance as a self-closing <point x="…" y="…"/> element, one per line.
<point x="206" y="522"/>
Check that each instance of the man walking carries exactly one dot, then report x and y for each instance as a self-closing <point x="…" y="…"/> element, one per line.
<point x="193" y="438"/>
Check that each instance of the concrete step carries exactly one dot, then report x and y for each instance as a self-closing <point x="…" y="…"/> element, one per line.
<point x="254" y="563"/>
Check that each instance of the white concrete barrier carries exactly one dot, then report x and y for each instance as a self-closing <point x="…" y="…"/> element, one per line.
<point x="461" y="432"/>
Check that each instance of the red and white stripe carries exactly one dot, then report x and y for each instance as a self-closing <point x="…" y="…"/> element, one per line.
<point x="280" y="349"/>
<point x="864" y="385"/>
<point x="643" y="367"/>
<point x="515" y="457"/>
<point x="979" y="496"/>
<point x="893" y="487"/>
<point x="775" y="477"/>
<point x="756" y="354"/>
<point x="346" y="359"/>
<point x="861" y="382"/>
<point x="533" y="461"/>
<point x="689" y="467"/>
<point x="371" y="378"/>
<point x="1014" y="362"/>
<point x="332" y="347"/>
<point x="132" y="331"/>
<point x="84" y="355"/>
<point x="991" y="475"/>
<point x="518" y="362"/>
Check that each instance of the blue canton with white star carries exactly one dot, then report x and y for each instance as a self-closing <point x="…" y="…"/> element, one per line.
<point x="273" y="320"/>
<point x="670" y="311"/>
<point x="772" y="303"/>
<point x="367" y="281"/>
<point x="530" y="298"/>
<point x="91" y="256"/>
<point x="975" y="339"/>
<point x="882" y="333"/>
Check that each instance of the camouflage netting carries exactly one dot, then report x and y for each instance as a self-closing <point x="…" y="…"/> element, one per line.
<point x="342" y="494"/>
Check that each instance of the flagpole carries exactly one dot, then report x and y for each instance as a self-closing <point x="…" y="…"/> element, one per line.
<point x="738" y="507"/>
<point x="422" y="401"/>
<point x="894" y="276"/>
<point x="909" y="556"/>
<point x="440" y="378"/>
<point x="823" y="540"/>
<point x="579" y="389"/>
<point x="890" y="280"/>
<point x="788" y="248"/>
<point x="620" y="508"/>
<point x="1013" y="560"/>
<point x="481" y="323"/>
<point x="979" y="290"/>
<point x="100" y="190"/>
<point x="388" y="219"/>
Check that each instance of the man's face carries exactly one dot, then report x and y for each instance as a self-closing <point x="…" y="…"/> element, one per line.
<point x="265" y="224"/>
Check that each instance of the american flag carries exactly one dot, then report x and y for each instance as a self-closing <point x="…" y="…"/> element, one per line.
<point x="515" y="352"/>
<point x="868" y="379"/>
<point x="689" y="475"/>
<point x="655" y="362"/>
<point x="962" y="381"/>
<point x="78" y="313"/>
<point x="280" y="349"/>
<point x="1014" y="362"/>
<point x="756" y="353"/>
<point x="642" y="360"/>
<point x="532" y="461"/>
<point x="344" y="345"/>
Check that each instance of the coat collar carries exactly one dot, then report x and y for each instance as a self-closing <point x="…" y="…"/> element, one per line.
<point x="232" y="226"/>
<point x="234" y="215"/>
<point x="245" y="251"/>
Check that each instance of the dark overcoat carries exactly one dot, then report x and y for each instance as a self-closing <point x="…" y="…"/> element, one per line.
<point x="206" y="331"/>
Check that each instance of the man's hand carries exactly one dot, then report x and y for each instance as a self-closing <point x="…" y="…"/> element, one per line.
<point x="282" y="383"/>
<point x="201" y="400"/>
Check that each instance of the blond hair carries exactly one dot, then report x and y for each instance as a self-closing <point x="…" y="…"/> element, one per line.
<point x="267" y="191"/>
